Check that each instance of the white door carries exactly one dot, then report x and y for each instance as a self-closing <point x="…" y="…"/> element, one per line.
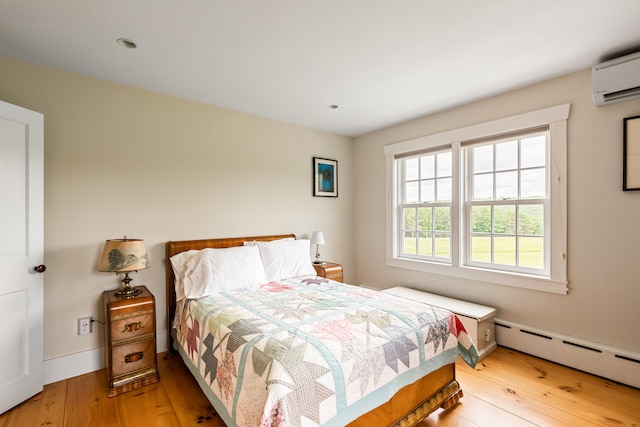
<point x="21" y="253"/>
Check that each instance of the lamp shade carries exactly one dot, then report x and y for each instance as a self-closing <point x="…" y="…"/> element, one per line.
<point x="317" y="238"/>
<point x="122" y="255"/>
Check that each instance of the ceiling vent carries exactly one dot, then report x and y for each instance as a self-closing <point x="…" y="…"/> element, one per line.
<point x="616" y="80"/>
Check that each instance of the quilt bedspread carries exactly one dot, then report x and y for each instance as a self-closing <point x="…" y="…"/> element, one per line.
<point x="311" y="351"/>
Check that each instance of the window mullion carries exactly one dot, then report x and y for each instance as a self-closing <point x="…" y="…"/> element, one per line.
<point x="400" y="200"/>
<point x="457" y="205"/>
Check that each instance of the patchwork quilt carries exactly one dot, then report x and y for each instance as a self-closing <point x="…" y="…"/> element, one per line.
<point x="310" y="351"/>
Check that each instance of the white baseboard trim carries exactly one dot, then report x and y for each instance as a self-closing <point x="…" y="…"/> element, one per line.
<point x="604" y="361"/>
<point x="72" y="365"/>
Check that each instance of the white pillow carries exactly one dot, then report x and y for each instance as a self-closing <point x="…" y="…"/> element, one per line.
<point x="178" y="262"/>
<point x="283" y="259"/>
<point x="210" y="271"/>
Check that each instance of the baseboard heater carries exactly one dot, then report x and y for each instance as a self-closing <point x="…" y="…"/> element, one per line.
<point x="477" y="319"/>
<point x="597" y="359"/>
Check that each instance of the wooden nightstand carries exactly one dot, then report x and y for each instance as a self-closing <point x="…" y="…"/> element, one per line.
<point x="329" y="270"/>
<point x="131" y="341"/>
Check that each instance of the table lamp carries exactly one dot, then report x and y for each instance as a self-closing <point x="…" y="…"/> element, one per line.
<point x="123" y="256"/>
<point x="317" y="238"/>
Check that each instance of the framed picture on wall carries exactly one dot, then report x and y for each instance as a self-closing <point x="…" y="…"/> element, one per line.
<point x="325" y="177"/>
<point x="631" y="156"/>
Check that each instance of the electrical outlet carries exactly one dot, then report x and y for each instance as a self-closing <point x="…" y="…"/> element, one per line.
<point x="84" y="325"/>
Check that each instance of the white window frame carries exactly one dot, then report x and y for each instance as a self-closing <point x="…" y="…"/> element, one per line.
<point x="556" y="120"/>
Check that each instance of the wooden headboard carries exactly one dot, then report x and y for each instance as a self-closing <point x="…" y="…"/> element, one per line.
<point x="187" y="245"/>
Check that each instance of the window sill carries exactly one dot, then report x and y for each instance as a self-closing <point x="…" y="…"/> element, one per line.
<point x="494" y="277"/>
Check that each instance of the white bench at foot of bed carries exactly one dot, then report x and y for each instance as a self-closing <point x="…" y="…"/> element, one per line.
<point x="477" y="319"/>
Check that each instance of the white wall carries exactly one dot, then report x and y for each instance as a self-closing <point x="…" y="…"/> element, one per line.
<point x="119" y="160"/>
<point x="603" y="221"/>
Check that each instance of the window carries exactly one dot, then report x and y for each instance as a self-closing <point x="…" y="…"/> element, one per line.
<point x="486" y="202"/>
<point x="507" y="204"/>
<point x="426" y="206"/>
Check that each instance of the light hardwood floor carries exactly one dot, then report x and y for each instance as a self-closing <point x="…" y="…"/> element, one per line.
<point x="508" y="389"/>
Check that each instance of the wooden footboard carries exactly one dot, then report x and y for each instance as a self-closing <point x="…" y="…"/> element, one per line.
<point x="413" y="403"/>
<point x="451" y="394"/>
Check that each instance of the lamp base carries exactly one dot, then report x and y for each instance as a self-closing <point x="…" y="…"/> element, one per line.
<point x="127" y="292"/>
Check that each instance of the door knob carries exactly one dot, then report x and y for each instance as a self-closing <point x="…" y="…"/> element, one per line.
<point x="40" y="268"/>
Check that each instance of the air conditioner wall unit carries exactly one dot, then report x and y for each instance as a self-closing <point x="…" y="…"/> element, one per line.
<point x="616" y="80"/>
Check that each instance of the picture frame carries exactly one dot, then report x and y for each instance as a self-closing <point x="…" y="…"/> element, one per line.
<point x="631" y="154"/>
<point x="325" y="177"/>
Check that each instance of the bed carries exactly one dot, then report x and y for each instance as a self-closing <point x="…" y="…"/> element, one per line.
<point x="262" y="361"/>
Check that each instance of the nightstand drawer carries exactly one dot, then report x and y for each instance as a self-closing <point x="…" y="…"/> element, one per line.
<point x="334" y="275"/>
<point x="133" y="357"/>
<point x="131" y="327"/>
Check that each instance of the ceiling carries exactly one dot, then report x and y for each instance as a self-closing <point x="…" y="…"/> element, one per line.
<point x="382" y="62"/>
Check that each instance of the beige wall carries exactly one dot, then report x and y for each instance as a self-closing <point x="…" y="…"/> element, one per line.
<point x="119" y="160"/>
<point x="603" y="221"/>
